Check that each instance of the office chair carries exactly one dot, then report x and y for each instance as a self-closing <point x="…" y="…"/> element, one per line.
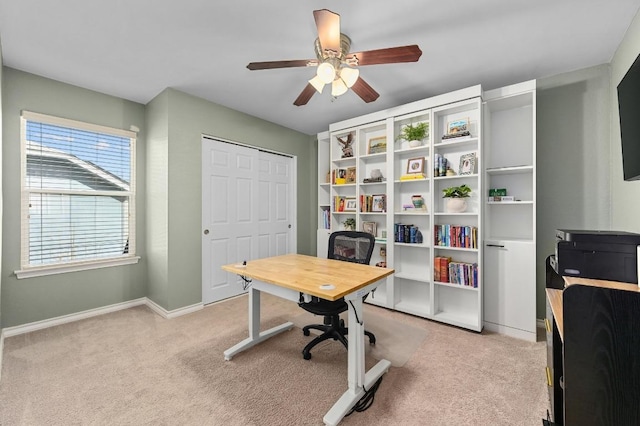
<point x="348" y="246"/>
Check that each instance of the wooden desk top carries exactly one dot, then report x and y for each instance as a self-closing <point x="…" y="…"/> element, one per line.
<point x="555" y="300"/>
<point x="307" y="273"/>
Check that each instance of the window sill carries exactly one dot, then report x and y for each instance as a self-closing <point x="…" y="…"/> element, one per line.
<point x="75" y="267"/>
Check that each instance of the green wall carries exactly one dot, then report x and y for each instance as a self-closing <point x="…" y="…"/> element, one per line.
<point x="1" y="197"/>
<point x="625" y="196"/>
<point x="156" y="222"/>
<point x="28" y="300"/>
<point x="188" y="118"/>
<point x="572" y="158"/>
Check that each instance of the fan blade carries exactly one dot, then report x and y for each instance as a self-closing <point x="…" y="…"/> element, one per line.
<point x="282" y="64"/>
<point x="365" y="91"/>
<point x="387" y="56"/>
<point x="305" y="95"/>
<point x="328" y="24"/>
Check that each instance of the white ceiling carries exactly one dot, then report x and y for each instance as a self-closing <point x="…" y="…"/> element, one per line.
<point x="134" y="49"/>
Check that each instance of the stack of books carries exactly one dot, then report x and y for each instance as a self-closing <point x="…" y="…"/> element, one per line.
<point x="413" y="176"/>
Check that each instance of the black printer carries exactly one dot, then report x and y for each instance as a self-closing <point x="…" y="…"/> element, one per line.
<point x="603" y="255"/>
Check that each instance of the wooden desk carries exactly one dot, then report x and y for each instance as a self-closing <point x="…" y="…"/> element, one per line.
<point x="289" y="275"/>
<point x="598" y="325"/>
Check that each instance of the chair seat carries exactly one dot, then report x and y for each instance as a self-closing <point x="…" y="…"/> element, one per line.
<point x="325" y="307"/>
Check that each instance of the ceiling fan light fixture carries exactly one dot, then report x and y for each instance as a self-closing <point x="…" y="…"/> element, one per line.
<point x="326" y="72"/>
<point x="317" y="83"/>
<point x="338" y="87"/>
<point x="349" y="75"/>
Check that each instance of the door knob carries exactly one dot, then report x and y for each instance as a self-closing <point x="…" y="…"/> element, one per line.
<point x="206" y="232"/>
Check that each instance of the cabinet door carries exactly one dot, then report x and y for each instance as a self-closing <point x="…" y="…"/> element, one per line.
<point x="510" y="286"/>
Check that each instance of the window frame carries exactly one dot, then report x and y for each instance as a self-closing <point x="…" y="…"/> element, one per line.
<point x="26" y="270"/>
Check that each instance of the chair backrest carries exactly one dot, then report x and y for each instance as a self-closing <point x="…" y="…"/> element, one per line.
<point x="351" y="246"/>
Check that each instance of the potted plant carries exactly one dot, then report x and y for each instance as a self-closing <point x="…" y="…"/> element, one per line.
<point x="414" y="133"/>
<point x="456" y="195"/>
<point x="350" y="224"/>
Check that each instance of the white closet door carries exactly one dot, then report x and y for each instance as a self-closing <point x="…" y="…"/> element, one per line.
<point x="247" y="212"/>
<point x="275" y="209"/>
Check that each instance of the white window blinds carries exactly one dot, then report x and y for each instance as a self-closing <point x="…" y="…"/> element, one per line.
<point x="78" y="192"/>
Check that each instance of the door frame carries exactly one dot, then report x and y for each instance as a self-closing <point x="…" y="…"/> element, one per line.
<point x="293" y="243"/>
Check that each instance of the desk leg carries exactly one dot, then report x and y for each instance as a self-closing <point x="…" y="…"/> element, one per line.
<point x="356" y="368"/>
<point x="255" y="336"/>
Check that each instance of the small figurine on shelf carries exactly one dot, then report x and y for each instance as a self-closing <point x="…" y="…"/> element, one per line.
<point x="383" y="255"/>
<point x="347" y="150"/>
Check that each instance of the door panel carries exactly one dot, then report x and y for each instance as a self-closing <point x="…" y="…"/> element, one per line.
<point x="247" y="212"/>
<point x="229" y="176"/>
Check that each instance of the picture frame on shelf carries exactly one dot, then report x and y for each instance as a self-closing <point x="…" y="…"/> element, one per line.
<point x="379" y="203"/>
<point x="458" y="127"/>
<point x="377" y="145"/>
<point x="350" y="176"/>
<point x="370" y="227"/>
<point x="415" y="165"/>
<point x="350" y="204"/>
<point x="467" y="164"/>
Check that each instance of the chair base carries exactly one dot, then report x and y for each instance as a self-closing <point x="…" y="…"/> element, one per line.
<point x="335" y="330"/>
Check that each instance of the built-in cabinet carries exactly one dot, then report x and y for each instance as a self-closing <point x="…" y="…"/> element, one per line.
<point x="510" y="220"/>
<point x="438" y="254"/>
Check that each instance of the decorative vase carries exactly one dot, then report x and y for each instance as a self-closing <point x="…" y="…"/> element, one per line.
<point x="456" y="205"/>
<point x="415" y="143"/>
<point x="418" y="201"/>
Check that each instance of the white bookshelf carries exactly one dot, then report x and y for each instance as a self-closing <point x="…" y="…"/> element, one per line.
<point x="510" y="226"/>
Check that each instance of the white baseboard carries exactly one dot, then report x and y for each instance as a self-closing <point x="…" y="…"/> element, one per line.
<point x="1" y="351"/>
<point x="512" y="332"/>
<point x="51" y="322"/>
<point x="174" y="313"/>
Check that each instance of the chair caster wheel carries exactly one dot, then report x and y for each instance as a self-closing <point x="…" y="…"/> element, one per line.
<point x="306" y="356"/>
<point x="306" y="332"/>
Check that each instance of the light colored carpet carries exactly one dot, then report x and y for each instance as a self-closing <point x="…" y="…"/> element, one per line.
<point x="135" y="368"/>
<point x="395" y="341"/>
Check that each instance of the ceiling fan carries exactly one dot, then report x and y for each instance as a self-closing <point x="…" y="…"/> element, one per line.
<point x="336" y="65"/>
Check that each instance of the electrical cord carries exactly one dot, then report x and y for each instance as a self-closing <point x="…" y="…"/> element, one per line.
<point x="246" y="282"/>
<point x="367" y="399"/>
<point x="355" y="312"/>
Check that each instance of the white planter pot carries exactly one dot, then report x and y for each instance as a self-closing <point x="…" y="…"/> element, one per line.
<point x="415" y="143"/>
<point x="456" y="205"/>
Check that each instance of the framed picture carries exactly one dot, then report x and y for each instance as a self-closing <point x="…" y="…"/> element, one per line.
<point x="415" y="165"/>
<point x="350" y="204"/>
<point x="377" y="145"/>
<point x="458" y="126"/>
<point x="350" y="176"/>
<point x="379" y="203"/>
<point x="467" y="164"/>
<point x="370" y="227"/>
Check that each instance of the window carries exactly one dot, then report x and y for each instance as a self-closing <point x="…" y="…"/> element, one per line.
<point x="78" y="196"/>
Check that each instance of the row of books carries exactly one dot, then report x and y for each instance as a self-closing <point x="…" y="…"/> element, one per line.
<point x="326" y="219"/>
<point x="407" y="234"/>
<point x="461" y="273"/>
<point x="373" y="203"/>
<point x="455" y="236"/>
<point x="440" y="165"/>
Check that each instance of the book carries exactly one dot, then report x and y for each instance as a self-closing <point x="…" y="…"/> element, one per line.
<point x="413" y="176"/>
